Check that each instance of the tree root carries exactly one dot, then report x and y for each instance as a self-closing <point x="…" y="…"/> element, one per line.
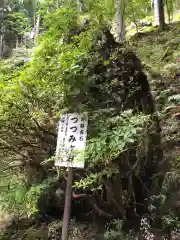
<point x="119" y="207"/>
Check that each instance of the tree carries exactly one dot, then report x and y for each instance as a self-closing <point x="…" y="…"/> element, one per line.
<point x="170" y="7"/>
<point x="137" y="10"/>
<point x="13" y="24"/>
<point x="120" y="20"/>
<point x="159" y="14"/>
<point x="31" y="6"/>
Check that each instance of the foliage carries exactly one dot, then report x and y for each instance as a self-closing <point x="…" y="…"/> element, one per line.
<point x="161" y="54"/>
<point x="17" y="23"/>
<point x="18" y="199"/>
<point x="13" y="25"/>
<point x="113" y="235"/>
<point x="33" y="195"/>
<point x="58" y="79"/>
<point x="13" y="197"/>
<point x="122" y="133"/>
<point x="171" y="6"/>
<point x="136" y="10"/>
<point x="115" y="232"/>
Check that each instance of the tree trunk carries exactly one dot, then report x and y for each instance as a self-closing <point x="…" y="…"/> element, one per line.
<point x="82" y="7"/>
<point x="34" y="13"/>
<point x="57" y="4"/>
<point x="37" y="25"/>
<point x="159" y="14"/>
<point x="1" y="46"/>
<point x="119" y="20"/>
<point x="17" y="42"/>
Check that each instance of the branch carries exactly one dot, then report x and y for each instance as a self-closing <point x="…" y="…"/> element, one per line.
<point x="44" y="130"/>
<point x="11" y="148"/>
<point x="92" y="201"/>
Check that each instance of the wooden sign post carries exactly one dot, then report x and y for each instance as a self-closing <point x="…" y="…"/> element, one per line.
<point x="67" y="206"/>
<point x="71" y="144"/>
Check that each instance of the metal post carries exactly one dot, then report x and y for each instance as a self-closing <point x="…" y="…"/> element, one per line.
<point x="67" y="207"/>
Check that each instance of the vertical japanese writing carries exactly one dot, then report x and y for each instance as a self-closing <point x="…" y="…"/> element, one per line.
<point x="82" y="125"/>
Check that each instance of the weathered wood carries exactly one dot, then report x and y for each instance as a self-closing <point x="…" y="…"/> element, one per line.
<point x="67" y="207"/>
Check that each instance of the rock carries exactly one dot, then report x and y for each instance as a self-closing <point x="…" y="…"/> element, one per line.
<point x="144" y="23"/>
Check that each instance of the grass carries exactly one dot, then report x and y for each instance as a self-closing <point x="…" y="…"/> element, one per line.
<point x="160" y="55"/>
<point x="157" y="49"/>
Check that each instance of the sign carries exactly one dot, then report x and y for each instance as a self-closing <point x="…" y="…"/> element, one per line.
<point x="71" y="142"/>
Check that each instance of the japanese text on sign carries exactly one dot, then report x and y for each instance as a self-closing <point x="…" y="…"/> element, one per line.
<point x="71" y="140"/>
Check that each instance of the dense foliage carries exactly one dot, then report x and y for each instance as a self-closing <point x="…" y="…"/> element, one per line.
<point x="77" y="66"/>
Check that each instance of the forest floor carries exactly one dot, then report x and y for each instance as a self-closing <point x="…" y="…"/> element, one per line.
<point x="160" y="55"/>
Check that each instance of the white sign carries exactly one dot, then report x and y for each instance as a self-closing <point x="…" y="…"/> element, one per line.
<point x="71" y="142"/>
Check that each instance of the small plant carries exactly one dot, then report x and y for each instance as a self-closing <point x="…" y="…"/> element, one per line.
<point x="116" y="233"/>
<point x="113" y="235"/>
<point x="171" y="69"/>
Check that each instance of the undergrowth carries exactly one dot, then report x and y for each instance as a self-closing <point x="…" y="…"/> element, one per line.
<point x="160" y="54"/>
